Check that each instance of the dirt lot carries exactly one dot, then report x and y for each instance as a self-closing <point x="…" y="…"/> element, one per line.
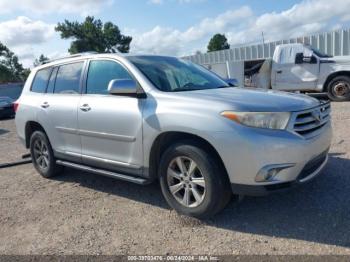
<point x="79" y="213"/>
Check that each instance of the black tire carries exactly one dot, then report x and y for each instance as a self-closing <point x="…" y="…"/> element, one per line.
<point x="338" y="89"/>
<point x="217" y="186"/>
<point x="46" y="166"/>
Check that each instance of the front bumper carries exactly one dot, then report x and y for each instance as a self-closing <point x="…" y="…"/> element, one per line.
<point x="246" y="151"/>
<point x="308" y="173"/>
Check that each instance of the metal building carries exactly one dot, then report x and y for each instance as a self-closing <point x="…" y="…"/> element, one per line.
<point x="336" y="43"/>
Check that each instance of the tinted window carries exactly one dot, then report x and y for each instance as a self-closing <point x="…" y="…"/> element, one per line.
<point x="40" y="80"/>
<point x="51" y="84"/>
<point x="101" y="73"/>
<point x="68" y="78"/>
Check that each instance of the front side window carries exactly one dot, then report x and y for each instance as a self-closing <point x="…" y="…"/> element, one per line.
<point x="171" y="74"/>
<point x="41" y="80"/>
<point x="68" y="78"/>
<point x="101" y="72"/>
<point x="320" y="54"/>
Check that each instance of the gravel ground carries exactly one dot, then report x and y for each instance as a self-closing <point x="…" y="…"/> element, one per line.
<point x="80" y="213"/>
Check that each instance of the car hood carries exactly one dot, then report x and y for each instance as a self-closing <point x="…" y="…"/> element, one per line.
<point x="251" y="100"/>
<point x="337" y="59"/>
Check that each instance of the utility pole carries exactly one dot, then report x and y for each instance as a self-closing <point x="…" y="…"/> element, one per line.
<point x="263" y="40"/>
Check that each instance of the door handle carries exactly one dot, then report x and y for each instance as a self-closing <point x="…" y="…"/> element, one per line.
<point x="45" y="105"/>
<point x="279" y="71"/>
<point x="85" y="108"/>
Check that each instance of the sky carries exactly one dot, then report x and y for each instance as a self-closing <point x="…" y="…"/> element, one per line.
<point x="170" y="27"/>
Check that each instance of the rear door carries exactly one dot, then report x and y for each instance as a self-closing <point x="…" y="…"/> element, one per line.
<point x="59" y="110"/>
<point x="110" y="125"/>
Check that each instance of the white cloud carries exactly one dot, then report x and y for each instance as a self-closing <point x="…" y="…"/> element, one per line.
<point x="159" y="2"/>
<point x="242" y="26"/>
<point x="24" y="31"/>
<point x="23" y="36"/>
<point x="156" y="2"/>
<point x="49" y="6"/>
<point x="164" y="40"/>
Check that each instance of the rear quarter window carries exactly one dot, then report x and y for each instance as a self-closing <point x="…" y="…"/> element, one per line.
<point x="41" y="80"/>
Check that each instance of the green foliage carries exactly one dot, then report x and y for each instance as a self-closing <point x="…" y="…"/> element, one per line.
<point x="10" y="68"/>
<point x="42" y="59"/>
<point x="93" y="35"/>
<point x="218" y="42"/>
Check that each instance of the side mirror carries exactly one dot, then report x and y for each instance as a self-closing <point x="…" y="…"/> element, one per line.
<point x="307" y="59"/>
<point x="122" y="87"/>
<point x="232" y="82"/>
<point x="299" y="58"/>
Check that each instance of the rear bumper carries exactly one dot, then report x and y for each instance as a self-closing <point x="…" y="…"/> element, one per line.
<point x="310" y="171"/>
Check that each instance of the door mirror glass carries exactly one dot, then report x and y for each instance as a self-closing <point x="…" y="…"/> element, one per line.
<point x="299" y="58"/>
<point x="306" y="59"/>
<point x="232" y="82"/>
<point x="122" y="87"/>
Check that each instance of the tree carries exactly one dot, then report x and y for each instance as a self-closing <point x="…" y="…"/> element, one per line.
<point x="93" y="35"/>
<point x="10" y="68"/>
<point x="42" y="59"/>
<point x="218" y="42"/>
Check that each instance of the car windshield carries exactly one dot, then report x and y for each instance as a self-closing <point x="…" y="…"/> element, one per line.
<point x="170" y="74"/>
<point x="319" y="53"/>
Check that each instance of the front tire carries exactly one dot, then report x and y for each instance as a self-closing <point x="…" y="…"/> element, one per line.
<point x="42" y="155"/>
<point x="339" y="89"/>
<point x="192" y="181"/>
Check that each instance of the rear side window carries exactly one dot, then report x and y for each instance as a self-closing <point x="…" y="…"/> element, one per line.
<point x="41" y="80"/>
<point x="68" y="78"/>
<point x="101" y="72"/>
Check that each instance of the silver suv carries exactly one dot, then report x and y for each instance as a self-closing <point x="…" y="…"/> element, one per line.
<point x="146" y="118"/>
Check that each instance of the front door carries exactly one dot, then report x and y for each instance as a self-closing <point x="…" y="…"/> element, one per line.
<point x="110" y="126"/>
<point x="287" y="75"/>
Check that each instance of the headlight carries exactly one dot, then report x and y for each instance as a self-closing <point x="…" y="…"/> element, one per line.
<point x="271" y="120"/>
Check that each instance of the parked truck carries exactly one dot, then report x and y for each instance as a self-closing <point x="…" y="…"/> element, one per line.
<point x="296" y="67"/>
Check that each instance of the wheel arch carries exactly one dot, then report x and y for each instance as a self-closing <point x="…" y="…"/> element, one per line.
<point x="164" y="140"/>
<point x="332" y="76"/>
<point x="30" y="128"/>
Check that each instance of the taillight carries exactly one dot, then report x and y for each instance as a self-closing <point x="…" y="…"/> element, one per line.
<point x="15" y="106"/>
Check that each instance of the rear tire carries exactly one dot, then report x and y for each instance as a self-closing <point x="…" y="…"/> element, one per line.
<point x="43" y="158"/>
<point x="207" y="185"/>
<point x="338" y="89"/>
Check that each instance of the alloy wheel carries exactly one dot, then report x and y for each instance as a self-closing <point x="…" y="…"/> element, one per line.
<point x="186" y="181"/>
<point x="41" y="154"/>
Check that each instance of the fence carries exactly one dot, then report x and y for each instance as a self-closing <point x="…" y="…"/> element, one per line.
<point x="336" y="43"/>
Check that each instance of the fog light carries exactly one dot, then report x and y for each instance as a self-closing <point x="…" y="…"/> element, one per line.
<point x="268" y="173"/>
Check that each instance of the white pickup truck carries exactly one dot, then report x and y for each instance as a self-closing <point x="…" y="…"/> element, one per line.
<point x="298" y="67"/>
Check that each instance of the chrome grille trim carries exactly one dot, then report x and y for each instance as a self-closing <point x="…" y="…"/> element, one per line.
<point x="308" y="123"/>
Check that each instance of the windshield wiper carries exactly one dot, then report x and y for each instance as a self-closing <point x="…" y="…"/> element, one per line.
<point x="179" y="89"/>
<point x="224" y="86"/>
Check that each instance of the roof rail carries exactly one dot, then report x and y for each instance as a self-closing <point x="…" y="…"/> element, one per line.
<point x="70" y="56"/>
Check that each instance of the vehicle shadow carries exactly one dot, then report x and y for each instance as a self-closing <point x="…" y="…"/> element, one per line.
<point x="150" y="194"/>
<point x="3" y="131"/>
<point x="316" y="212"/>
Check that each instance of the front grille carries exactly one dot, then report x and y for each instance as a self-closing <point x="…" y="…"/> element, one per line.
<point x="313" y="165"/>
<point x="307" y="123"/>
